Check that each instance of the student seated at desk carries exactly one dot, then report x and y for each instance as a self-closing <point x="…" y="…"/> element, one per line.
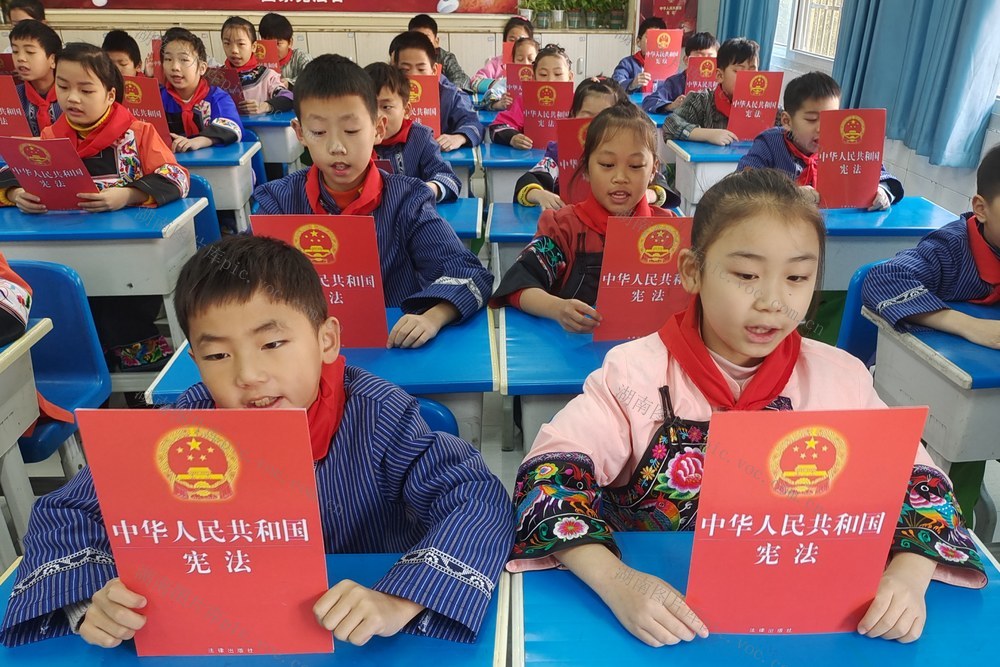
<point x="262" y="88"/>
<point x="792" y="147"/>
<point x="630" y="72"/>
<point x="292" y="61"/>
<point x="704" y="115"/>
<point x="497" y="98"/>
<point x="131" y="167"/>
<point x="593" y="469"/>
<point x="539" y="186"/>
<point x="557" y="275"/>
<point x="668" y="95"/>
<point x="450" y="67"/>
<point x="413" y="53"/>
<point x="199" y="115"/>
<point x="34" y="46"/>
<point x="124" y="52"/>
<point x="551" y="64"/>
<point x="426" y="270"/>
<point x="516" y="28"/>
<point x="959" y="262"/>
<point x="385" y="483"/>
<point x="409" y="146"/>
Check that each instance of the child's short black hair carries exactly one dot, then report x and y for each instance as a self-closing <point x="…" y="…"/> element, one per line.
<point x="240" y="23"/>
<point x="36" y="31"/>
<point x="988" y="175"/>
<point x="178" y="34"/>
<point x="411" y="39"/>
<point x="119" y="41"/>
<point x="236" y="268"/>
<point x="652" y="23"/>
<point x="699" y="41"/>
<point x="92" y="59"/>
<point x="385" y="75"/>
<point x="737" y="50"/>
<point x="526" y="40"/>
<point x="331" y="75"/>
<point x="549" y="51"/>
<point x="275" y="26"/>
<point x="32" y="8"/>
<point x="421" y="21"/>
<point x="811" y="86"/>
<point x="597" y="85"/>
<point x="518" y="22"/>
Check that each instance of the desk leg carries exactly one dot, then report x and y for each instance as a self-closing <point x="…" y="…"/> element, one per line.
<point x="8" y="553"/>
<point x="176" y="333"/>
<point x="243" y="218"/>
<point x="16" y="489"/>
<point x="468" y="411"/>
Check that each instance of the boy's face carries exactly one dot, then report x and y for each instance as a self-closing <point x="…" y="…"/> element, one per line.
<point x="181" y="66"/>
<point x="430" y="35"/>
<point x="414" y="61"/>
<point x="237" y="45"/>
<point x="394" y="108"/>
<point x="988" y="213"/>
<point x="31" y="61"/>
<point x="339" y="134"/>
<point x="727" y="77"/>
<point x="284" y="46"/>
<point x="641" y="42"/>
<point x="525" y="54"/>
<point x="261" y="354"/>
<point x="553" y="68"/>
<point x="123" y="62"/>
<point x="804" y="123"/>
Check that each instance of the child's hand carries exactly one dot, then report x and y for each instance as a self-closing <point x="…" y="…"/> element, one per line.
<point x="356" y="614"/>
<point x="248" y="107"/>
<point x="881" y="201"/>
<point x="983" y="332"/>
<point x="719" y="137"/>
<point x="521" y="141"/>
<point x="182" y="144"/>
<point x="545" y="199"/>
<point x="413" y="330"/>
<point x="676" y="103"/>
<point x="650" y="608"/>
<point x="810" y="192"/>
<point x="640" y="80"/>
<point x="898" y="610"/>
<point x="147" y="66"/>
<point x="25" y="201"/>
<point x="435" y="188"/>
<point x="575" y="316"/>
<point x="111" y="618"/>
<point x="110" y="199"/>
<point x="450" y="142"/>
<point x="504" y="102"/>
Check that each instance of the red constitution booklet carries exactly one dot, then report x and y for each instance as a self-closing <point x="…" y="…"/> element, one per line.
<point x="213" y="517"/>
<point x="545" y="102"/>
<point x="663" y="55"/>
<point x="425" y="101"/>
<point x="266" y="51"/>
<point x="571" y="135"/>
<point x="228" y="79"/>
<point x="12" y="120"/>
<point x="849" y="164"/>
<point x="755" y="103"/>
<point x="142" y="98"/>
<point x="700" y="74"/>
<point x="51" y="169"/>
<point x="516" y="76"/>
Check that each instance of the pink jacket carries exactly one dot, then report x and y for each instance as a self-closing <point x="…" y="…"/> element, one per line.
<point x="493" y="69"/>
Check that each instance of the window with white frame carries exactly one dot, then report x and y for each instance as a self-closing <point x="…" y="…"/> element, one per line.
<point x="809" y="27"/>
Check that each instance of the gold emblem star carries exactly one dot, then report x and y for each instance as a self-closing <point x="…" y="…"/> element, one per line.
<point x="193" y="444"/>
<point x="811" y="443"/>
<point x="180" y="450"/>
<point x="202" y="457"/>
<point x="190" y="458"/>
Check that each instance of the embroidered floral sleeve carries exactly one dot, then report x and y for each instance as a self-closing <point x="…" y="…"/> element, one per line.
<point x="931" y="523"/>
<point x="557" y="500"/>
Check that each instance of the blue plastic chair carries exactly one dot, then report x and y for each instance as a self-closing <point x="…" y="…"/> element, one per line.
<point x="69" y="365"/>
<point x="257" y="161"/>
<point x="857" y="335"/>
<point x="437" y="416"/>
<point x="206" y="223"/>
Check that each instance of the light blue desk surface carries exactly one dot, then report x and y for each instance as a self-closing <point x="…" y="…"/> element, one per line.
<point x="981" y="363"/>
<point x="498" y="156"/>
<point x="458" y="360"/>
<point x="486" y="117"/>
<point x="401" y="650"/>
<point x="465" y="215"/>
<point x="461" y="157"/>
<point x="283" y="119"/>
<point x="912" y="216"/>
<point x="231" y="155"/>
<point x="543" y="358"/>
<point x="127" y="223"/>
<point x="658" y="118"/>
<point x="512" y="223"/>
<point x="565" y="623"/>
<point x="637" y="96"/>
<point x="699" y="151"/>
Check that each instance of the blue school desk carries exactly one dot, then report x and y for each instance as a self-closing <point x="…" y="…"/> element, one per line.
<point x="487" y="116"/>
<point x="465" y="215"/>
<point x="456" y="368"/>
<point x="227" y="169"/>
<point x="18" y="411"/>
<point x="278" y="142"/>
<point x="503" y="165"/>
<point x="463" y="160"/>
<point x="509" y="227"/>
<point x="544" y="365"/>
<point x="401" y="650"/>
<point x="700" y="166"/>
<point x="130" y="252"/>
<point x="855" y="237"/>
<point x="657" y="118"/>
<point x="558" y="621"/>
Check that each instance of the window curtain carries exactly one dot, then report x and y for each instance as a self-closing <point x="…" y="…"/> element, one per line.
<point x="753" y="19"/>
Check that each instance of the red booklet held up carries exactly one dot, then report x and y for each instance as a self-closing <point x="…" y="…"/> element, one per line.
<point x="516" y="76"/>
<point x="51" y="169"/>
<point x="385" y="165"/>
<point x="12" y="120"/>
<point x="755" y="103"/>
<point x="213" y="517"/>
<point x="142" y="98"/>
<point x="156" y="45"/>
<point x="571" y="134"/>
<point x="425" y="101"/>
<point x="228" y="79"/>
<point x="663" y="55"/>
<point x="796" y="515"/>
<point x="700" y="74"/>
<point x="7" y="65"/>
<point x="640" y="281"/>
<point x="344" y="251"/>
<point x="849" y="166"/>
<point x="545" y="102"/>
<point x="266" y="51"/>
<point x="508" y="52"/>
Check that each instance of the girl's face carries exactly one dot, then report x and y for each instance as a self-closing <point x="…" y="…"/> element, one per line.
<point x="81" y="95"/>
<point x="238" y="46"/>
<point x="181" y="66"/>
<point x="619" y="171"/>
<point x="525" y="54"/>
<point x="594" y="104"/>
<point x="755" y="285"/>
<point x="516" y="33"/>
<point x="553" y="68"/>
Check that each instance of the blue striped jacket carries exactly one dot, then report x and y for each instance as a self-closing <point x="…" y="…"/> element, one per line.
<point x="420" y="157"/>
<point x="457" y="114"/>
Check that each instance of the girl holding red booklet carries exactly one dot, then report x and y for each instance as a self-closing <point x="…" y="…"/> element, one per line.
<point x="131" y="166"/>
<point x="628" y="454"/>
